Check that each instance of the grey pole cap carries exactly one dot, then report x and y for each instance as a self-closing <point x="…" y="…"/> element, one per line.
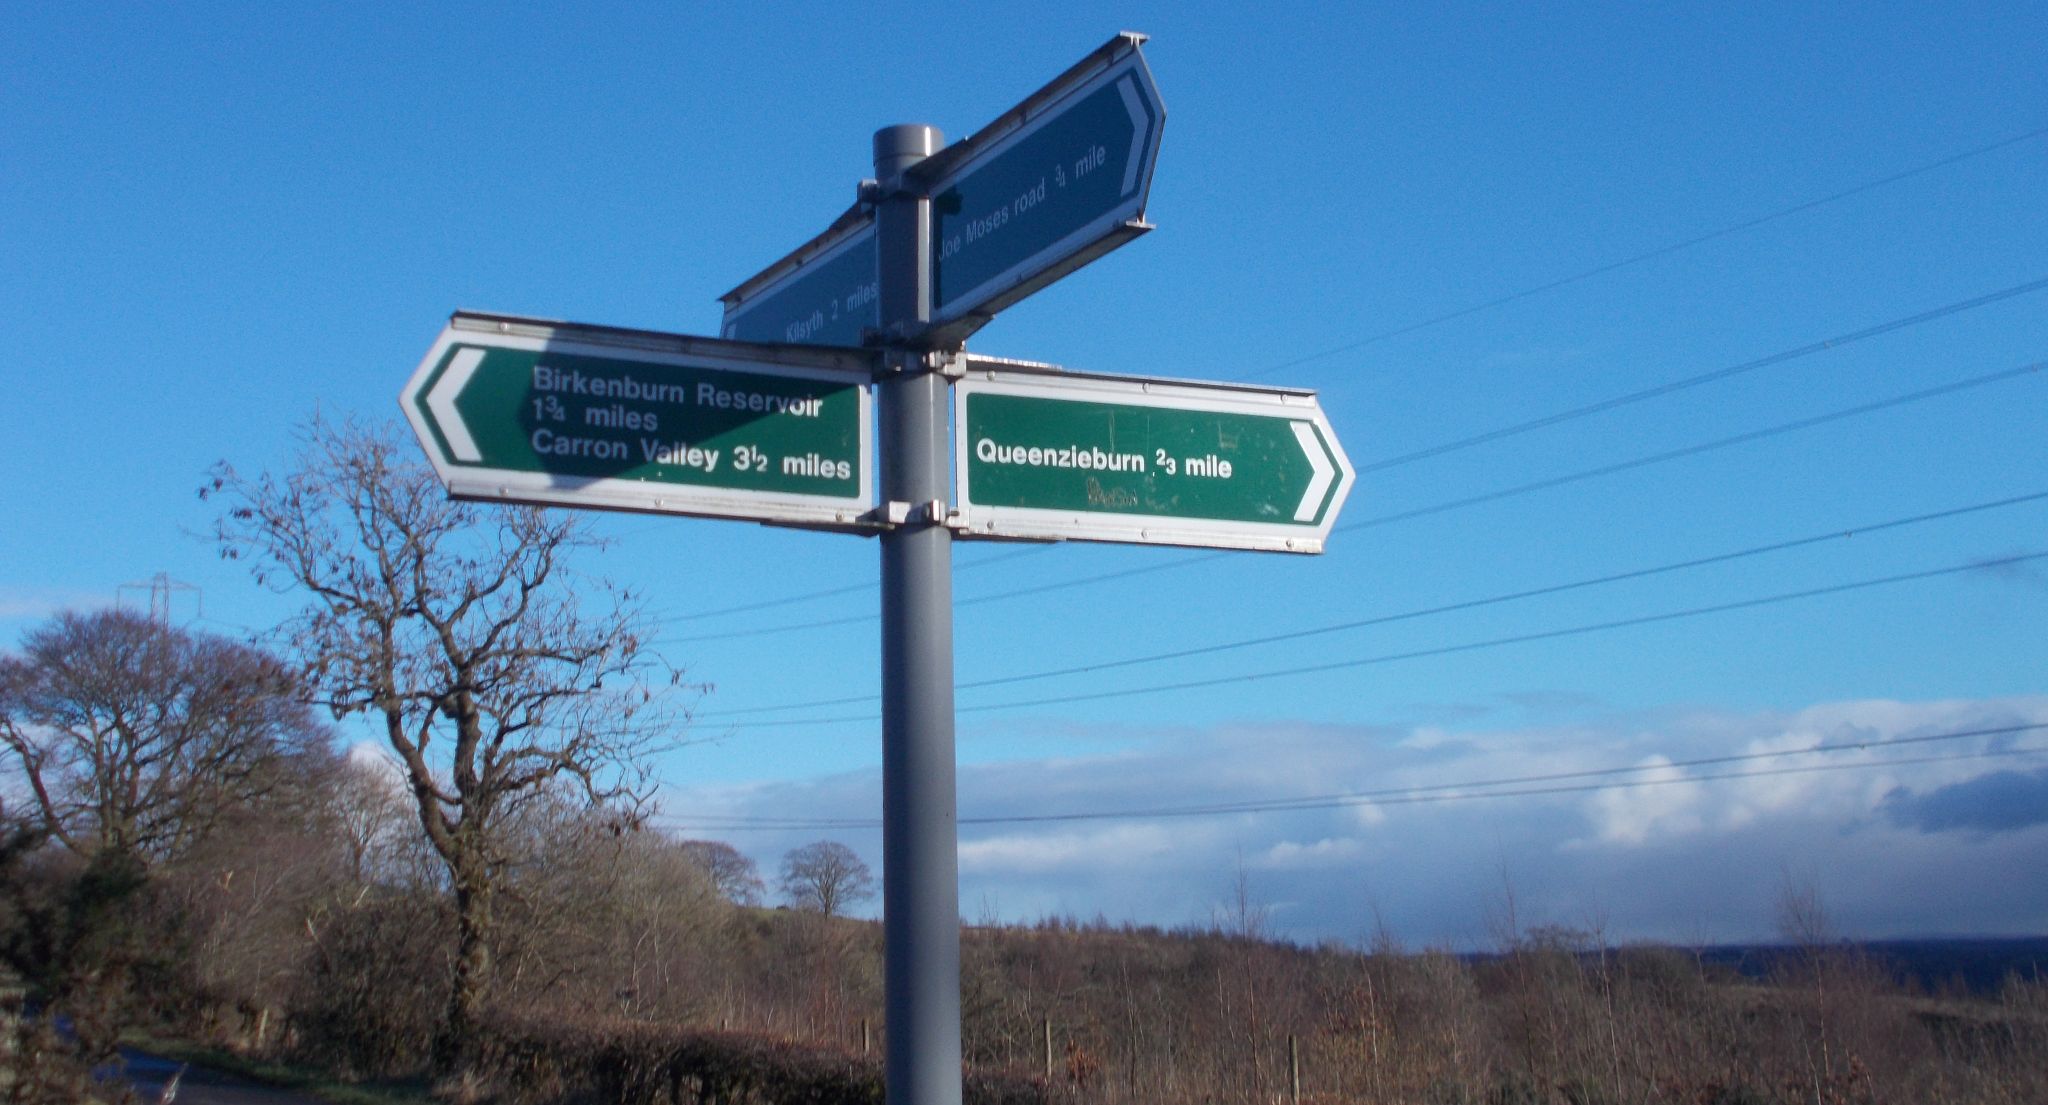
<point x="899" y="147"/>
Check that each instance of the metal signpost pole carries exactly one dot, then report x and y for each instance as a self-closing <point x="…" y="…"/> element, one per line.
<point x="771" y="424"/>
<point x="920" y="891"/>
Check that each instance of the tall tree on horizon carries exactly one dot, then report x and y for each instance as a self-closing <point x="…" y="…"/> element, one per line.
<point x="825" y="877"/>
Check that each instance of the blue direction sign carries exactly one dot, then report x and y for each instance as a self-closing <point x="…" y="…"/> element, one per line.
<point x="1052" y="184"/>
<point x="1056" y="182"/>
<point x="825" y="293"/>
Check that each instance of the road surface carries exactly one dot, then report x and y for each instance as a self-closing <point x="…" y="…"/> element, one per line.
<point x="200" y="1086"/>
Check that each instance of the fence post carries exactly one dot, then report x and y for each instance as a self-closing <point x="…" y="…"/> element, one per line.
<point x="864" y="1039"/>
<point x="1293" y="1068"/>
<point x="1046" y="1024"/>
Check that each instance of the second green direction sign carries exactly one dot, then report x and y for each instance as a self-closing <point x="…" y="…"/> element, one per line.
<point x="1056" y="455"/>
<point x="524" y="410"/>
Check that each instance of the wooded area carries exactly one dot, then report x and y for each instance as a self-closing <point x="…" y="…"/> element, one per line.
<point x="481" y="904"/>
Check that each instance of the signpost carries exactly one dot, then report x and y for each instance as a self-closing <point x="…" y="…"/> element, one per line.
<point x="774" y="424"/>
<point x="524" y="410"/>
<point x="1048" y="455"/>
<point x="1054" y="183"/>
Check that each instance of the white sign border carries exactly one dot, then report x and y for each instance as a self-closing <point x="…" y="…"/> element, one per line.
<point x="987" y="522"/>
<point x="974" y="300"/>
<point x="483" y="483"/>
<point x="760" y="296"/>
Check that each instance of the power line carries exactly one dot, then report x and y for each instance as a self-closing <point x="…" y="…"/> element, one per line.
<point x="1334" y="801"/>
<point x="1447" y="650"/>
<point x="834" y="592"/>
<point x="1571" y="414"/>
<point x="1467" y="790"/>
<point x="1745" y="438"/>
<point x="1527" y="638"/>
<point x="1525" y="488"/>
<point x="1431" y="611"/>
<point x="783" y="627"/>
<point x="1649" y="255"/>
<point x="768" y="604"/>
<point x="1546" y="484"/>
<point x="246" y="630"/>
<point x="1882" y="328"/>
<point x="1714" y="376"/>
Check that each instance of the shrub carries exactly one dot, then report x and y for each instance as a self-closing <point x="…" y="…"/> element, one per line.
<point x="374" y="994"/>
<point x="531" y="1062"/>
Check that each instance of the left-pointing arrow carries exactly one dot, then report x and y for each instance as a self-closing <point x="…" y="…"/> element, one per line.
<point x="441" y="400"/>
<point x="522" y="410"/>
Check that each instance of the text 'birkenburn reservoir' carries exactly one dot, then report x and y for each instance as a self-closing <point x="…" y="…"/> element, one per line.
<point x="533" y="418"/>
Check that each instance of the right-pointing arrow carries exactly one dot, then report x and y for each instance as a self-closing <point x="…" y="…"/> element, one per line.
<point x="1318" y="484"/>
<point x="441" y="400"/>
<point x="1141" y="127"/>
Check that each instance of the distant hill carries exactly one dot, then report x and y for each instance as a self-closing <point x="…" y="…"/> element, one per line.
<point x="1976" y="965"/>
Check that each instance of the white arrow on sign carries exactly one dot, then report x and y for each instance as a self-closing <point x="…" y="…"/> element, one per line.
<point x="1141" y="127"/>
<point x="982" y="177"/>
<point x="441" y="401"/>
<point x="1312" y="448"/>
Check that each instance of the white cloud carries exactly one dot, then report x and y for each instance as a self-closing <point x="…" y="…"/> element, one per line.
<point x="379" y="759"/>
<point x="1116" y="849"/>
<point x="1429" y="736"/>
<point x="37" y="603"/>
<point x="1665" y="803"/>
<point x="1329" y="851"/>
<point x="1366" y="815"/>
<point x="1691" y="858"/>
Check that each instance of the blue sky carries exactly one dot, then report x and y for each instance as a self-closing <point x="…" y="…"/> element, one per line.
<point x="1450" y="220"/>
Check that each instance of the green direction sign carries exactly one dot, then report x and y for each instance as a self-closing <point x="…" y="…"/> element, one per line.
<point x="1052" y="455"/>
<point x="1056" y="182"/>
<point x="823" y="294"/>
<point x="529" y="411"/>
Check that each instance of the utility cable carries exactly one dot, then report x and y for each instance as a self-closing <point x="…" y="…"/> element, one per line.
<point x="1716" y="444"/>
<point x="1527" y="638"/>
<point x="1497" y="495"/>
<point x="1429" y="611"/>
<point x="1714" y="376"/>
<point x="834" y="592"/>
<point x="1551" y="285"/>
<point x="1447" y="650"/>
<point x="1515" y="786"/>
<point x="1571" y="414"/>
<point x="1650" y="255"/>
<point x="1330" y="801"/>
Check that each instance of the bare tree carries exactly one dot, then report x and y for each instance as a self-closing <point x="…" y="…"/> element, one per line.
<point x="825" y="877"/>
<point x="735" y="876"/>
<point x="1801" y="917"/>
<point x="603" y="921"/>
<point x="137" y="738"/>
<point x="457" y="627"/>
<point x="137" y="747"/>
<point x="369" y="812"/>
<point x="1243" y="916"/>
